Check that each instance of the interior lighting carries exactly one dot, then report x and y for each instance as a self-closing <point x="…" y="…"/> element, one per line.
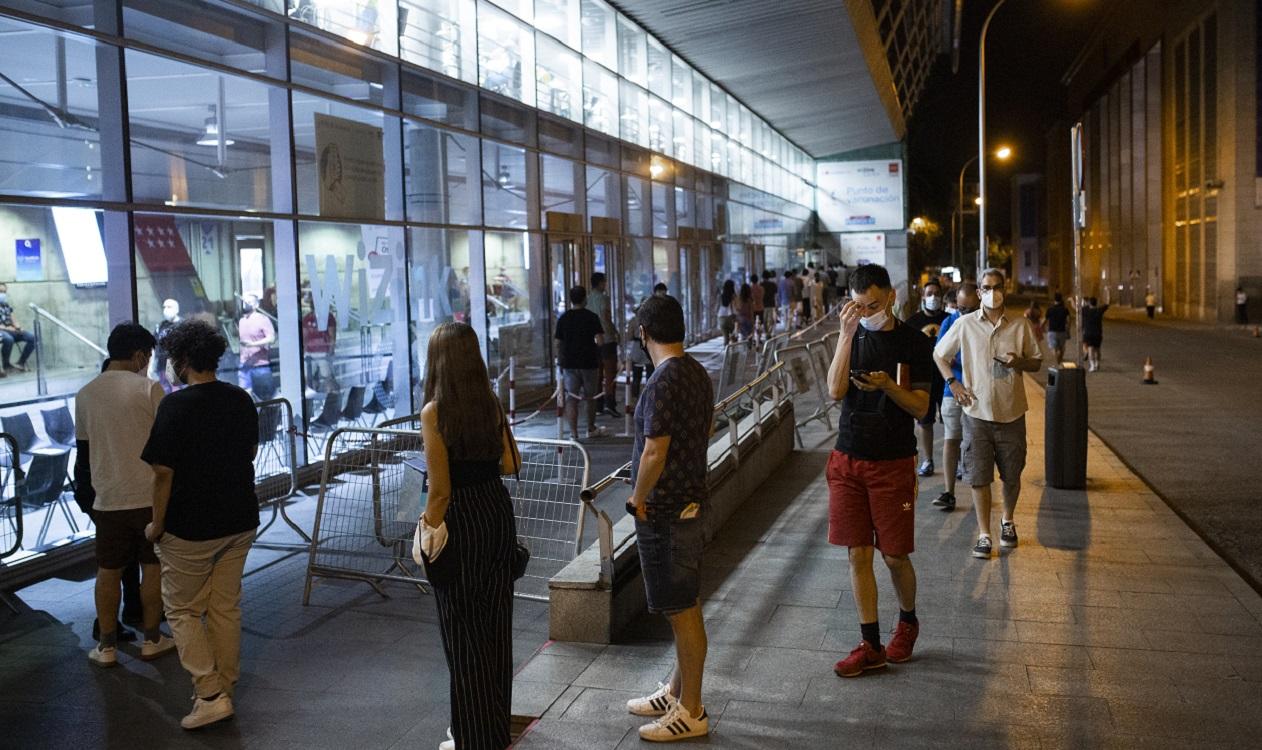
<point x="210" y="136"/>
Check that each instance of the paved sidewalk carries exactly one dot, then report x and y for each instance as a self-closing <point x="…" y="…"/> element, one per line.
<point x="1113" y="625"/>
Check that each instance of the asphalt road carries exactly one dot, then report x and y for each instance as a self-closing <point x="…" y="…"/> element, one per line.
<point x="1196" y="437"/>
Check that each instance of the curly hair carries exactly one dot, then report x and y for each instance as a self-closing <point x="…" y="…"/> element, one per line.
<point x="195" y="344"/>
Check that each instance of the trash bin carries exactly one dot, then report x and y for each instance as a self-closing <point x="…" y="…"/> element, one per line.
<point x="1065" y="428"/>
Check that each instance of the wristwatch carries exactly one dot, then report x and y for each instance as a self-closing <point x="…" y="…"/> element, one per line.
<point x="951" y="380"/>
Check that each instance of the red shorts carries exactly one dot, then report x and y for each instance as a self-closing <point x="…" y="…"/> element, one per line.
<point x="872" y="503"/>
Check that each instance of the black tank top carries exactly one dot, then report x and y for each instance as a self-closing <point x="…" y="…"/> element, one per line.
<point x="472" y="473"/>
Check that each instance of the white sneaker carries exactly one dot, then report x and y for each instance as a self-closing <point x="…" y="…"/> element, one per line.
<point x="103" y="656"/>
<point x="150" y="650"/>
<point x="655" y="704"/>
<point x="597" y="432"/>
<point x="447" y="745"/>
<point x="677" y="724"/>
<point x="208" y="712"/>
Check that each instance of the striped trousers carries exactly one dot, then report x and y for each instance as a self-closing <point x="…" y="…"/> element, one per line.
<point x="475" y="615"/>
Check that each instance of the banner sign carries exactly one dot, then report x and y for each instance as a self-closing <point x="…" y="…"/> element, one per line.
<point x="861" y="196"/>
<point x="30" y="261"/>
<point x="858" y="248"/>
<point x="350" y="167"/>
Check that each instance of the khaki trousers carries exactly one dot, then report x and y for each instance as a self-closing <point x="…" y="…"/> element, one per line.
<point x="203" y="579"/>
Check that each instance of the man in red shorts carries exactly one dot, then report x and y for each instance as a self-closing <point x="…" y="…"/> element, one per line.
<point x="882" y="370"/>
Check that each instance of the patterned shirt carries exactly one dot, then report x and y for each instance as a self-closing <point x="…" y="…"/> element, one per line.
<point x="678" y="400"/>
<point x="6" y="315"/>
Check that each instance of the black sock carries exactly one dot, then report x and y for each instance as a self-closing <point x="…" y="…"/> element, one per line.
<point x="908" y="616"/>
<point x="871" y="633"/>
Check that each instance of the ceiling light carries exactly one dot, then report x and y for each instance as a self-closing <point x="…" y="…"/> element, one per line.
<point x="210" y="136"/>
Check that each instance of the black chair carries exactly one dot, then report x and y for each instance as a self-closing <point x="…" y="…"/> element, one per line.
<point x="382" y="400"/>
<point x="325" y="423"/>
<point x="46" y="485"/>
<point x="270" y="458"/>
<point x="59" y="424"/>
<point x="20" y="427"/>
<point x="353" y="412"/>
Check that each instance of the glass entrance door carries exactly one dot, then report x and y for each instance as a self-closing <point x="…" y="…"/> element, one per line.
<point x="569" y="264"/>
<point x="692" y="298"/>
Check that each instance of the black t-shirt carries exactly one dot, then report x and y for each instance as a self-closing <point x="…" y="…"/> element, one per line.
<point x="207" y="434"/>
<point x="677" y="400"/>
<point x="769" y="293"/>
<point x="1057" y="318"/>
<point x="872" y="427"/>
<point x="922" y="318"/>
<point x="577" y="329"/>
<point x="1093" y="320"/>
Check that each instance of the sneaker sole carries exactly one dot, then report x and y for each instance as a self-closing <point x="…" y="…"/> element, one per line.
<point x="946" y="508"/>
<point x="882" y="665"/>
<point x="1007" y="545"/>
<point x="903" y="660"/>
<point x="159" y="655"/>
<point x="982" y="555"/>
<point x="216" y="720"/>
<point x="678" y="737"/>
<point x="105" y="664"/>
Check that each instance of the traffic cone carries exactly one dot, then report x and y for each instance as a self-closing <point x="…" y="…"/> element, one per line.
<point x="1150" y="372"/>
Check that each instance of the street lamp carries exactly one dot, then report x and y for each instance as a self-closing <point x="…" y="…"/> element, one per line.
<point x="1003" y="153"/>
<point x="981" y="137"/>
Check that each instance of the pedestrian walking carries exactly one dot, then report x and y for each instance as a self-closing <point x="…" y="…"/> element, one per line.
<point x="928" y="320"/>
<point x="952" y="425"/>
<point x="468" y="535"/>
<point x="113" y="416"/>
<point x="727" y="311"/>
<point x="668" y="499"/>
<point x="598" y="302"/>
<point x="994" y="350"/>
<point x="757" y="307"/>
<point x="1150" y="304"/>
<point x="743" y="307"/>
<point x="1242" y="306"/>
<point x="205" y="513"/>
<point x="1092" y="332"/>
<point x="769" y="303"/>
<point x="579" y="337"/>
<point x="881" y="372"/>
<point x="1057" y="319"/>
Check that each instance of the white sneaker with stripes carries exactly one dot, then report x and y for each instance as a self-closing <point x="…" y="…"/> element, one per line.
<point x="677" y="724"/>
<point x="655" y="704"/>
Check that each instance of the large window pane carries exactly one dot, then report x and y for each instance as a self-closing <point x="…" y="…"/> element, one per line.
<point x="660" y="127"/>
<point x="560" y="137"/>
<point x="661" y="211"/>
<point x="443" y="176"/>
<point x="517" y="321"/>
<point x="440" y="35"/>
<point x="439" y="100"/>
<point x="508" y="121"/>
<point x="339" y="158"/>
<point x="354" y="332"/>
<point x="632" y="52"/>
<point x="600" y="98"/>
<point x="634" y="117"/>
<point x="558" y="185"/>
<point x="506" y="55"/>
<point x="198" y="137"/>
<point x="600" y="35"/>
<point x="334" y="68"/>
<point x="560" y="77"/>
<point x="681" y="141"/>
<point x="658" y="69"/>
<point x="681" y="84"/>
<point x="560" y="18"/>
<point x="666" y="267"/>
<point x="439" y="287"/>
<point x="372" y="24"/>
<point x="604" y="199"/>
<point x="211" y="267"/>
<point x="504" y="185"/>
<point x="225" y="35"/>
<point x="639" y="218"/>
<point x="42" y="153"/>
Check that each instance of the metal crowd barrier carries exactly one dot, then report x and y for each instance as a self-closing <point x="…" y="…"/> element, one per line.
<point x="276" y="468"/>
<point x="369" y="502"/>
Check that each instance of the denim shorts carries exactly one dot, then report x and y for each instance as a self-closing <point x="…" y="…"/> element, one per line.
<point x="670" y="561"/>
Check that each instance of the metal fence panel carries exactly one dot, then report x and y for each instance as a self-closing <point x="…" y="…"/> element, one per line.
<point x="369" y="503"/>
<point x="276" y="463"/>
<point x="10" y="496"/>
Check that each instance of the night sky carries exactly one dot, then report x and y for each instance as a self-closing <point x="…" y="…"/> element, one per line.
<point x="1031" y="45"/>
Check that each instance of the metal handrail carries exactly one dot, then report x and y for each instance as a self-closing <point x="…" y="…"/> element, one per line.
<point x="738" y="393"/>
<point x="41" y="312"/>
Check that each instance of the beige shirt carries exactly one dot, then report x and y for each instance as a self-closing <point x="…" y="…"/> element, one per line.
<point x="999" y="391"/>
<point x="114" y="413"/>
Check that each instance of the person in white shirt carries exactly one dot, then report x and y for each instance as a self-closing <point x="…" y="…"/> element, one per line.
<point x="994" y="350"/>
<point x="113" y="415"/>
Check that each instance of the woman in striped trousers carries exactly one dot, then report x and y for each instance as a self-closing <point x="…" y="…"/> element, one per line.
<point x="468" y="533"/>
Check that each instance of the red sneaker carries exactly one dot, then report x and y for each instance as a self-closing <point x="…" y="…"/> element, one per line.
<point x="863" y="658"/>
<point x="900" y="646"/>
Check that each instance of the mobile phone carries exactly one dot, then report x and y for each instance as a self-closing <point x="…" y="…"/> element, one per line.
<point x="1000" y="361"/>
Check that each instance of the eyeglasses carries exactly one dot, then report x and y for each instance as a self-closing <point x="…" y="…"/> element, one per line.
<point x="988" y="287"/>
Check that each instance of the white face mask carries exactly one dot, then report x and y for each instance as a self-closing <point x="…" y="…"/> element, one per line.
<point x="992" y="299"/>
<point x="876" y="321"/>
<point x="932" y="303"/>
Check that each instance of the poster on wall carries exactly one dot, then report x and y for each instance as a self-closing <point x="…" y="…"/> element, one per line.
<point x="30" y="261"/>
<point x="861" y="196"/>
<point x="350" y="168"/>
<point x="859" y="248"/>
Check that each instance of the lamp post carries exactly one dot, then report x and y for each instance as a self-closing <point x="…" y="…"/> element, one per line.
<point x="981" y="136"/>
<point x="1003" y="153"/>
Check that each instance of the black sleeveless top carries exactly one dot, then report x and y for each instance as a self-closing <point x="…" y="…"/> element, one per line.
<point x="472" y="473"/>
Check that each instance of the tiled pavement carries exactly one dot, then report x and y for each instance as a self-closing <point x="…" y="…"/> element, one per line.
<point x="1112" y="625"/>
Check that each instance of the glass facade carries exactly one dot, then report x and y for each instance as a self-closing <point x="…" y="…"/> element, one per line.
<point x="366" y="171"/>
